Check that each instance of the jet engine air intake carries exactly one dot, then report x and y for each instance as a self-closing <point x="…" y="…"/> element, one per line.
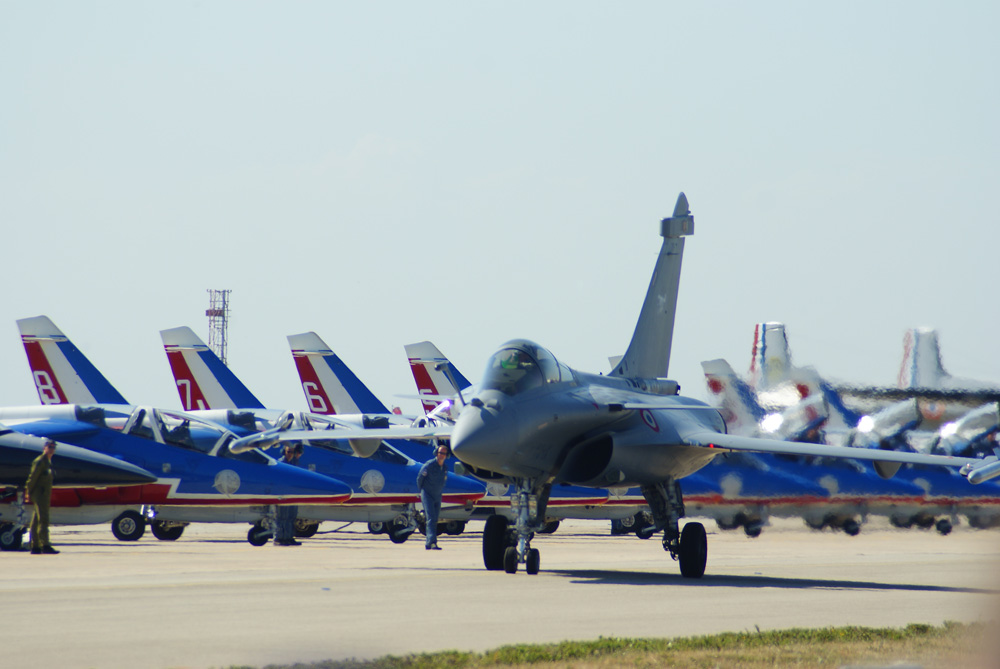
<point x="588" y="462"/>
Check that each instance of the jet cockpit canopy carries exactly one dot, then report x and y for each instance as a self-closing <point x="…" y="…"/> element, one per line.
<point x="521" y="365"/>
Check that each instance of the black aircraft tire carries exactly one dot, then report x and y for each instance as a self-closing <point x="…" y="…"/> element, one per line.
<point x="398" y="532"/>
<point x="640" y="524"/>
<point x="397" y="537"/>
<point x="453" y="527"/>
<point x="694" y="551"/>
<point x="533" y="561"/>
<point x="549" y="527"/>
<point x="258" y="535"/>
<point x="943" y="527"/>
<point x="376" y="527"/>
<point x="128" y="526"/>
<point x="165" y="532"/>
<point x="10" y="538"/>
<point x="494" y="542"/>
<point x="510" y="560"/>
<point x="305" y="529"/>
<point x="851" y="527"/>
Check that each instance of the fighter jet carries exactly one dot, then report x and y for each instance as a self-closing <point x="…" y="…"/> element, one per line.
<point x="76" y="468"/>
<point x="202" y="475"/>
<point x="383" y="481"/>
<point x="537" y="421"/>
<point x="187" y="452"/>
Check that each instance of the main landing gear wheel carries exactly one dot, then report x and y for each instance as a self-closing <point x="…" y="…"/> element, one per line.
<point x="943" y="526"/>
<point x="128" y="526"/>
<point x="399" y="532"/>
<point x="494" y="542"/>
<point x="10" y="537"/>
<point x="166" y="531"/>
<point x="549" y="527"/>
<point x="533" y="561"/>
<point x="694" y="551"/>
<point x="452" y="528"/>
<point x="305" y="529"/>
<point x="376" y="527"/>
<point x="753" y="528"/>
<point x="510" y="560"/>
<point x="851" y="527"/>
<point x="259" y="535"/>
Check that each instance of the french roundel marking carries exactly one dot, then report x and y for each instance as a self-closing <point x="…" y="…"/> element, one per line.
<point x="649" y="420"/>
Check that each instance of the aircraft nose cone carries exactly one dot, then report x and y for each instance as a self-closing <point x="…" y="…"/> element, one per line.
<point x="462" y="489"/>
<point x="484" y="437"/>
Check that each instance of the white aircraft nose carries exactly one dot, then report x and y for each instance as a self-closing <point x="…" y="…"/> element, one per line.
<point x="484" y="437"/>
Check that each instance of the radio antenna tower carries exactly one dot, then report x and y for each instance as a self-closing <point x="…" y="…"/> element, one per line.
<point x="218" y="322"/>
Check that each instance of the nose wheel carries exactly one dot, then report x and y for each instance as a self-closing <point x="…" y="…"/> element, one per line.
<point x="508" y="547"/>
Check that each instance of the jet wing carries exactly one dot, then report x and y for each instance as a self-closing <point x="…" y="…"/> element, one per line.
<point x="732" y="442"/>
<point x="969" y="396"/>
<point x="415" y="433"/>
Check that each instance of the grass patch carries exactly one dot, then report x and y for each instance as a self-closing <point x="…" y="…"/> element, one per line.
<point x="949" y="645"/>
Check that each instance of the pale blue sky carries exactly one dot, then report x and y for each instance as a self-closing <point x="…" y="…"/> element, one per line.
<point x="469" y="173"/>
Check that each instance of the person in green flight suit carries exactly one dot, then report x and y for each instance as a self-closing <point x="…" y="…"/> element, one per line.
<point x="39" y="487"/>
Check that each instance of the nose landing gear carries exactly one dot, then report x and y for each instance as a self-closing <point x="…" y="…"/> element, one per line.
<point x="507" y="547"/>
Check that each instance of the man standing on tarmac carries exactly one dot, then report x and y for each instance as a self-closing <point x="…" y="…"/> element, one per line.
<point x="285" y="536"/>
<point x="430" y="482"/>
<point x="39" y="487"/>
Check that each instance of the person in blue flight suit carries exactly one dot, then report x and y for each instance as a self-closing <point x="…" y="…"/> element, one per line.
<point x="430" y="482"/>
<point x="39" y="487"/>
<point x="285" y="534"/>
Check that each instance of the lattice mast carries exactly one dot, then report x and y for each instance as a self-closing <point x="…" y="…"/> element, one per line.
<point x="218" y="322"/>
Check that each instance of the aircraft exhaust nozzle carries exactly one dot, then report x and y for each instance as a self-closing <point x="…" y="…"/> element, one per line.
<point x="984" y="472"/>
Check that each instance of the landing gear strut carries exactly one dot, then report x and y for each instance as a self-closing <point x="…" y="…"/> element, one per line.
<point x="507" y="547"/>
<point x="689" y="547"/>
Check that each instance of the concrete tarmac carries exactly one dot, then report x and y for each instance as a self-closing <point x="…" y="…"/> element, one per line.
<point x="210" y="599"/>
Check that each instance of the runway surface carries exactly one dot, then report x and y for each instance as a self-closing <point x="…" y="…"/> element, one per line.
<point x="211" y="599"/>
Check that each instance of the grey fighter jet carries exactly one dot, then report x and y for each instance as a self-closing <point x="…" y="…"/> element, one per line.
<point x="537" y="422"/>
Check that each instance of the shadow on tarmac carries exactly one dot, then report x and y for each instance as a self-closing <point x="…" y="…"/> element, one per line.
<point x="602" y="577"/>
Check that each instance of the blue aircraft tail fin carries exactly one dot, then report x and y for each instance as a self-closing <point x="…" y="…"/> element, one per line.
<point x="203" y="380"/>
<point x="62" y="374"/>
<point x="328" y="383"/>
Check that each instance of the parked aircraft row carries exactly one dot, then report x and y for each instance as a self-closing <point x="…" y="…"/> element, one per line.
<point x="531" y="428"/>
<point x="796" y="403"/>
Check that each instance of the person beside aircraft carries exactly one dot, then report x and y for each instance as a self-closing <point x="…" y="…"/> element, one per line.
<point x="285" y="536"/>
<point x="430" y="481"/>
<point x="39" y="487"/>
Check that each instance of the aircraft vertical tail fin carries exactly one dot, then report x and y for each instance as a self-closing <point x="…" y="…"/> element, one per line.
<point x="921" y="366"/>
<point x="62" y="374"/>
<point x="771" y="360"/>
<point x="735" y="399"/>
<point x="203" y="380"/>
<point x="433" y="373"/>
<point x="648" y="354"/>
<point x="329" y="385"/>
